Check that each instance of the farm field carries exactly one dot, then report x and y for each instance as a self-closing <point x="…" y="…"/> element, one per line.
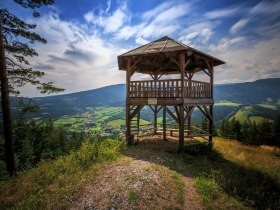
<point x="256" y="113"/>
<point x="93" y="119"/>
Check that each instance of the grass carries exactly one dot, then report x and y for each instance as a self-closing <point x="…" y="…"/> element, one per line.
<point x="232" y="176"/>
<point x="56" y="184"/>
<point x="227" y="104"/>
<point x="132" y="196"/>
<point x="243" y="114"/>
<point x="258" y="119"/>
<point x="238" y="175"/>
<point x="119" y="122"/>
<point x="269" y="106"/>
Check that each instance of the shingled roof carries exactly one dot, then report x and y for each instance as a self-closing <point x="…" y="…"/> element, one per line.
<point x="163" y="45"/>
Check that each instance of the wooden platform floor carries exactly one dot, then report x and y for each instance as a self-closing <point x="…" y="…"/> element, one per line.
<point x="156" y="141"/>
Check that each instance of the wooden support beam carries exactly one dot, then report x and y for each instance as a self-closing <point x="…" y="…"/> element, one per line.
<point x="187" y="63"/>
<point x="155" y="119"/>
<point x="189" y="122"/>
<point x="186" y="109"/>
<point x="129" y="139"/>
<point x="177" y="111"/>
<point x="181" y="108"/>
<point x="211" y="127"/>
<point x="171" y="114"/>
<point x="191" y="108"/>
<point x="181" y="129"/>
<point x="153" y="77"/>
<point x="204" y="70"/>
<point x="159" y="109"/>
<point x="175" y="61"/>
<point x="208" y="65"/>
<point x="205" y="113"/>
<point x="182" y="71"/>
<point x="208" y="113"/>
<point x="136" y="111"/>
<point x="151" y="108"/>
<point x="164" y="123"/>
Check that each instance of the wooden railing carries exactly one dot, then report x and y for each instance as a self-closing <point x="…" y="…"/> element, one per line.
<point x="169" y="89"/>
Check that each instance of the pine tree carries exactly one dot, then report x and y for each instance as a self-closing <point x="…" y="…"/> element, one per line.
<point x="245" y="132"/>
<point x="237" y="130"/>
<point x="204" y="125"/>
<point x="276" y="132"/>
<point x="223" y="129"/>
<point x="15" y="70"/>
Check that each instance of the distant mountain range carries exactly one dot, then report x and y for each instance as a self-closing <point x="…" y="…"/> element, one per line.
<point x="249" y="92"/>
<point x="260" y="91"/>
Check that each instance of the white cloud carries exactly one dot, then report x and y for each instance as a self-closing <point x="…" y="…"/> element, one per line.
<point x="157" y="10"/>
<point x="162" y="20"/>
<point x="200" y="32"/>
<point x="206" y="34"/>
<point x="221" y="13"/>
<point x="248" y="63"/>
<point x="109" y="22"/>
<point x="226" y="44"/>
<point x="73" y="58"/>
<point x="239" y="25"/>
<point x="187" y="39"/>
<point x="266" y="7"/>
<point x="141" y="41"/>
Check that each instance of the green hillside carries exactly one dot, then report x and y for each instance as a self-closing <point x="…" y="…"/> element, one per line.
<point x="261" y="94"/>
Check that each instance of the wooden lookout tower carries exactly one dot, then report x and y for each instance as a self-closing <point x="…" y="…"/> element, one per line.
<point x="177" y="95"/>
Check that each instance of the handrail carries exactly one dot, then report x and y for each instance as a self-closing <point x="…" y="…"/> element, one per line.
<point x="169" y="89"/>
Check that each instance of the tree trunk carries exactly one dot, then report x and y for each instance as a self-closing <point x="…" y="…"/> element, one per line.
<point x="7" y="118"/>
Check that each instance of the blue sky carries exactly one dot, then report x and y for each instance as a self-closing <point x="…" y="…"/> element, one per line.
<point x="85" y="37"/>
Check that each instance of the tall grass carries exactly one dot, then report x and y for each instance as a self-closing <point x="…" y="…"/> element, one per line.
<point x="56" y="184"/>
<point x="243" y="175"/>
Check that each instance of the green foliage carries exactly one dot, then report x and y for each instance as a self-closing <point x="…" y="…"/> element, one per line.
<point x="34" y="143"/>
<point x="17" y="34"/>
<point x="207" y="188"/>
<point x="132" y="196"/>
<point x="264" y="132"/>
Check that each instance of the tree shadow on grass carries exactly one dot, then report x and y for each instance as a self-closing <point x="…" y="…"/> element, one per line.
<point x="252" y="187"/>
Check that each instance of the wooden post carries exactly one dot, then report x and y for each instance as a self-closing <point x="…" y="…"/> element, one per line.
<point x="164" y="123"/>
<point x="211" y="106"/>
<point x="181" y="111"/>
<point x="129" y="139"/>
<point x="181" y="128"/>
<point x="211" y="127"/>
<point x="189" y="123"/>
<point x="155" y="119"/>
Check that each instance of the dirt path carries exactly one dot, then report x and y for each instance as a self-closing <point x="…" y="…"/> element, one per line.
<point x="142" y="179"/>
<point x="192" y="200"/>
<point x="131" y="184"/>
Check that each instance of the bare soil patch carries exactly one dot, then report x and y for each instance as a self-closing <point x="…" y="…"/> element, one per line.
<point x="131" y="184"/>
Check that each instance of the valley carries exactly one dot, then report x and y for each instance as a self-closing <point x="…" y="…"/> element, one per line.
<point x="102" y="111"/>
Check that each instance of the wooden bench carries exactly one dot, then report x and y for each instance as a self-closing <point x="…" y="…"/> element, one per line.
<point x="171" y="130"/>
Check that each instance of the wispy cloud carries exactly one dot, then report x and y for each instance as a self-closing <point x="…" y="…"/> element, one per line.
<point x="77" y="60"/>
<point x="221" y="13"/>
<point x="82" y="55"/>
<point x="239" y="25"/>
<point x="162" y="20"/>
<point x="110" y="22"/>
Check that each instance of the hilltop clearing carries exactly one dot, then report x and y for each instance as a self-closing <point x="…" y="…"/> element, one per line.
<point x="106" y="175"/>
